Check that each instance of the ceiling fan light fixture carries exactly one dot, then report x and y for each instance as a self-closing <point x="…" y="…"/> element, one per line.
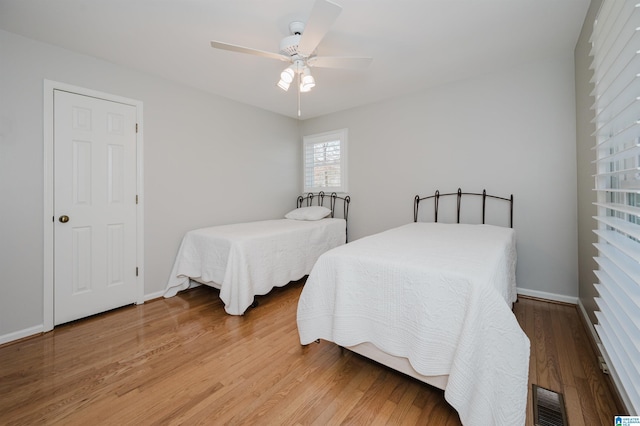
<point x="307" y="81"/>
<point x="299" y="49"/>
<point x="283" y="85"/>
<point x="304" y="88"/>
<point x="287" y="75"/>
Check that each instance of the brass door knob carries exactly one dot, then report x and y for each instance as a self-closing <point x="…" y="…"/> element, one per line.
<point x="64" y="219"/>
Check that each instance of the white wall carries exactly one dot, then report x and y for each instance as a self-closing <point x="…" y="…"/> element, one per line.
<point x="511" y="132"/>
<point x="206" y="159"/>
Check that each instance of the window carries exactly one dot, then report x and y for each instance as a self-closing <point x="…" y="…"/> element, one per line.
<point x="616" y="61"/>
<point x="325" y="162"/>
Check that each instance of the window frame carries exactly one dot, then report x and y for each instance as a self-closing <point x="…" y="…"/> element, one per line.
<point x="340" y="135"/>
<point x="617" y="186"/>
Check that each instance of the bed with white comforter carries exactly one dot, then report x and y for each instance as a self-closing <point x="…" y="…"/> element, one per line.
<point x="248" y="259"/>
<point x="438" y="296"/>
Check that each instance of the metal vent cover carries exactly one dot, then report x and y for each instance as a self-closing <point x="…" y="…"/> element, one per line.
<point x="548" y="407"/>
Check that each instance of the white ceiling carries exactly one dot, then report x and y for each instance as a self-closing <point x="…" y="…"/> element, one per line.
<point x="415" y="44"/>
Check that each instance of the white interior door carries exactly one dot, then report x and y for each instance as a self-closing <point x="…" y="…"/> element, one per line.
<point x="94" y="205"/>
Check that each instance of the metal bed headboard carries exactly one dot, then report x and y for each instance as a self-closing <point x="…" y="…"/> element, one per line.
<point x="459" y="194"/>
<point x="307" y="200"/>
<point x="333" y="197"/>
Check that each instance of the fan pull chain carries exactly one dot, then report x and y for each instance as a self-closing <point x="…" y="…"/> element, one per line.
<point x="299" y="82"/>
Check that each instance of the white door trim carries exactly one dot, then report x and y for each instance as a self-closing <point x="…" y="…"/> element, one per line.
<point x="48" y="281"/>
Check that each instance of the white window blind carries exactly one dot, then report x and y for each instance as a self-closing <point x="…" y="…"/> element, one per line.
<point x="616" y="65"/>
<point x="325" y="162"/>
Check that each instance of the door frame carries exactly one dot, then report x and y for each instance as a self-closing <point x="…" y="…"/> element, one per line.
<point x="49" y="214"/>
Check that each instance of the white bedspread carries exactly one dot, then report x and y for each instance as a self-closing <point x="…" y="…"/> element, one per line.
<point x="437" y="294"/>
<point x="249" y="259"/>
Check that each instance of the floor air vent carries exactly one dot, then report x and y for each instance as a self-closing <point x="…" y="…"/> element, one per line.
<point x="548" y="408"/>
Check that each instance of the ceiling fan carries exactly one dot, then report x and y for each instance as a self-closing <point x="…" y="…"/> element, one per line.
<point x="299" y="49"/>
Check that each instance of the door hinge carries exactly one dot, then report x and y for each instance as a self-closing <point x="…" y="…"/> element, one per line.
<point x="136" y="271"/>
<point x="136" y="198"/>
<point x="136" y="127"/>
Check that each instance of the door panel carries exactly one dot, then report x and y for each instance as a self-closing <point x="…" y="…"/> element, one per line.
<point x="95" y="187"/>
<point x="81" y="260"/>
<point x="115" y="254"/>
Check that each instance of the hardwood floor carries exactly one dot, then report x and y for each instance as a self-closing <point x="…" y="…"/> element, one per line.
<point x="185" y="361"/>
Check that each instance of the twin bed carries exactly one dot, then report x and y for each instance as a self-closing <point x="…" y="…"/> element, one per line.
<point x="245" y="260"/>
<point x="431" y="300"/>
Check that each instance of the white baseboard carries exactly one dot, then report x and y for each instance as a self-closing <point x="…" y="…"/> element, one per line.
<point x="602" y="352"/>
<point x="590" y="327"/>
<point x="548" y="296"/>
<point x="155" y="295"/>
<point x="21" y="334"/>
<point x="159" y="294"/>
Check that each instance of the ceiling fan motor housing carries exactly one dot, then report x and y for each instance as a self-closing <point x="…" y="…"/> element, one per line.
<point x="296" y="28"/>
<point x="289" y="45"/>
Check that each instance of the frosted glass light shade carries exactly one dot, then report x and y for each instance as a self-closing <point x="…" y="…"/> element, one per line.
<point x="308" y="82"/>
<point x="287" y="75"/>
<point x="283" y="85"/>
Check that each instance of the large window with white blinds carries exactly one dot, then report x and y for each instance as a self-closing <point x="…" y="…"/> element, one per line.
<point x="325" y="162"/>
<point x="616" y="65"/>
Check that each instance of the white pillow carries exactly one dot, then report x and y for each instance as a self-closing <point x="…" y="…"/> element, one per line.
<point x="308" y="213"/>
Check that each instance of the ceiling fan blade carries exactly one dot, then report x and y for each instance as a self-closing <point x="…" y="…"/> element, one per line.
<point x="323" y="15"/>
<point x="354" y="63"/>
<point x="250" y="51"/>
